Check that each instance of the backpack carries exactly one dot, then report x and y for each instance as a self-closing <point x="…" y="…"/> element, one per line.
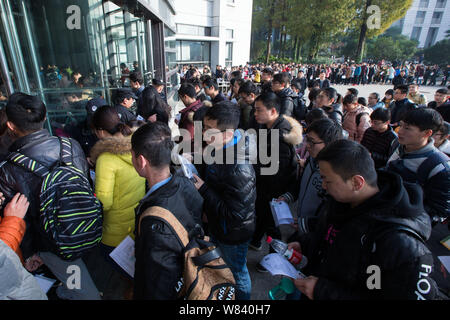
<point x="70" y="214"/>
<point x="206" y="276"/>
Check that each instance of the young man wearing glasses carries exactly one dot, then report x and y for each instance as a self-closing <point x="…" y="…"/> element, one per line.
<point x="308" y="189"/>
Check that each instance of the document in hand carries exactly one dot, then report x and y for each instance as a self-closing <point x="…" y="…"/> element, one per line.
<point x="123" y="255"/>
<point x="281" y="212"/>
<point x="278" y="265"/>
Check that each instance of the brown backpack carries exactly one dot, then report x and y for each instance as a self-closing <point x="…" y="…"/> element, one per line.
<point x="206" y="276"/>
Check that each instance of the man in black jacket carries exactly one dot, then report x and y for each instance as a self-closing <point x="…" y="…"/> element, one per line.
<point x="401" y="105"/>
<point x="273" y="178"/>
<point x="369" y="241"/>
<point x="26" y="116"/>
<point x="124" y="101"/>
<point x="159" y="253"/>
<point x="280" y="85"/>
<point x="229" y="190"/>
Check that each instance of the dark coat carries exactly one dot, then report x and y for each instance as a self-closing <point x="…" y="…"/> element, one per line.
<point x="348" y="240"/>
<point x="287" y="97"/>
<point x="400" y="108"/>
<point x="41" y="147"/>
<point x="229" y="194"/>
<point x="335" y="112"/>
<point x="380" y="145"/>
<point x="159" y="253"/>
<point x="290" y="135"/>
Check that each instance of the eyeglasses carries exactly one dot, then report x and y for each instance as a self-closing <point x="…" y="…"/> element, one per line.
<point x="311" y="141"/>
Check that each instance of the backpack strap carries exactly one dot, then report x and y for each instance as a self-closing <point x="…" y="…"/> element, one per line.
<point x="66" y="154"/>
<point x="168" y="217"/>
<point x="434" y="159"/>
<point x="28" y="164"/>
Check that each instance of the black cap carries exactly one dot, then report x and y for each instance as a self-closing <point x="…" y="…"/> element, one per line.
<point x="158" y="82"/>
<point x="93" y="104"/>
<point x="125" y="93"/>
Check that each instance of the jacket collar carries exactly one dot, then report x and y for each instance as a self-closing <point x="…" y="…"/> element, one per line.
<point x="32" y="137"/>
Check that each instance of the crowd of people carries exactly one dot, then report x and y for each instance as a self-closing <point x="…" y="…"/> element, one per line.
<point x="371" y="179"/>
<point x="337" y="73"/>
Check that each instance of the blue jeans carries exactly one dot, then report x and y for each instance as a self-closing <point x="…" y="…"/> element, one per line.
<point x="236" y="258"/>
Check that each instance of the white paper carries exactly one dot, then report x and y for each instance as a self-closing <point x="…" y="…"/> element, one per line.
<point x="278" y="265"/>
<point x="123" y="255"/>
<point x="44" y="282"/>
<point x="281" y="212"/>
<point x="188" y="168"/>
<point x="445" y="261"/>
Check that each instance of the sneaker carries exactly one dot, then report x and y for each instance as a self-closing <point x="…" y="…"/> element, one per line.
<point x="260" y="268"/>
<point x="255" y="246"/>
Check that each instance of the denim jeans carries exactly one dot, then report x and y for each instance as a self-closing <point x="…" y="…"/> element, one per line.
<point x="236" y="258"/>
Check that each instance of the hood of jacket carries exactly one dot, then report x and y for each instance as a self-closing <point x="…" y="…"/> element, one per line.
<point x="398" y="202"/>
<point x="293" y="132"/>
<point x="117" y="146"/>
<point x="287" y="92"/>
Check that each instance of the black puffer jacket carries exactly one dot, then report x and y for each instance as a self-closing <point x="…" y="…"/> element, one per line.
<point x="287" y="97"/>
<point x="229" y="194"/>
<point x="159" y="253"/>
<point x="335" y="112"/>
<point x="348" y="240"/>
<point x="42" y="147"/>
<point x="400" y="108"/>
<point x="290" y="135"/>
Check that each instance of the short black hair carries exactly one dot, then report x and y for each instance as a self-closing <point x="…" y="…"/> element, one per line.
<point x="211" y="83"/>
<point x="349" y="158"/>
<point x="313" y="93"/>
<point x="377" y="96"/>
<point x="188" y="90"/>
<point x="315" y="114"/>
<point x="362" y="101"/>
<point x="389" y="92"/>
<point x="270" y="100"/>
<point x="442" y="91"/>
<point x="226" y="113"/>
<point x="331" y="93"/>
<point x="268" y="71"/>
<point x="194" y="81"/>
<point x="350" y="99"/>
<point x="424" y="119"/>
<point x="326" y="129"/>
<point x="136" y="76"/>
<point x="153" y="141"/>
<point x="381" y="114"/>
<point x="248" y="87"/>
<point x="404" y="89"/>
<point x="282" y="78"/>
<point x="445" y="128"/>
<point x="236" y="74"/>
<point x="26" y="112"/>
<point x="354" y="91"/>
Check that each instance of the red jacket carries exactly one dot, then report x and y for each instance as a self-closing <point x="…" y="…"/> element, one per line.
<point x="187" y="117"/>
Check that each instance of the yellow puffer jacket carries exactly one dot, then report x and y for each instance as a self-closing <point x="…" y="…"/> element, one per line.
<point x="118" y="186"/>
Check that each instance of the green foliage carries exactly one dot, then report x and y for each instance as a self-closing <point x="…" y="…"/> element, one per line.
<point x="392" y="48"/>
<point x="439" y="53"/>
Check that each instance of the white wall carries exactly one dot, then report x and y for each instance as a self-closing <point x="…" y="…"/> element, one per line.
<point x="220" y="16"/>
<point x="410" y="19"/>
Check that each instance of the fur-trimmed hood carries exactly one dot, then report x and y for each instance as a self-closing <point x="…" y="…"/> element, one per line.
<point x="295" y="135"/>
<point x="118" y="146"/>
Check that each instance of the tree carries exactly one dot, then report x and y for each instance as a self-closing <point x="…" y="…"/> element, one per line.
<point x="438" y="54"/>
<point x="389" y="12"/>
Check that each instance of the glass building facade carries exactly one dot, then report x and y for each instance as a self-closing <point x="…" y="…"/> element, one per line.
<point x="68" y="52"/>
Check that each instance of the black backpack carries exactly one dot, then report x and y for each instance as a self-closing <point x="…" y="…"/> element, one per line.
<point x="70" y="214"/>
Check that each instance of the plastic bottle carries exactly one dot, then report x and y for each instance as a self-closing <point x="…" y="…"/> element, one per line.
<point x="294" y="257"/>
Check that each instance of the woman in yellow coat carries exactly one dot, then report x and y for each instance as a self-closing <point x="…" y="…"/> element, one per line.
<point x="117" y="184"/>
